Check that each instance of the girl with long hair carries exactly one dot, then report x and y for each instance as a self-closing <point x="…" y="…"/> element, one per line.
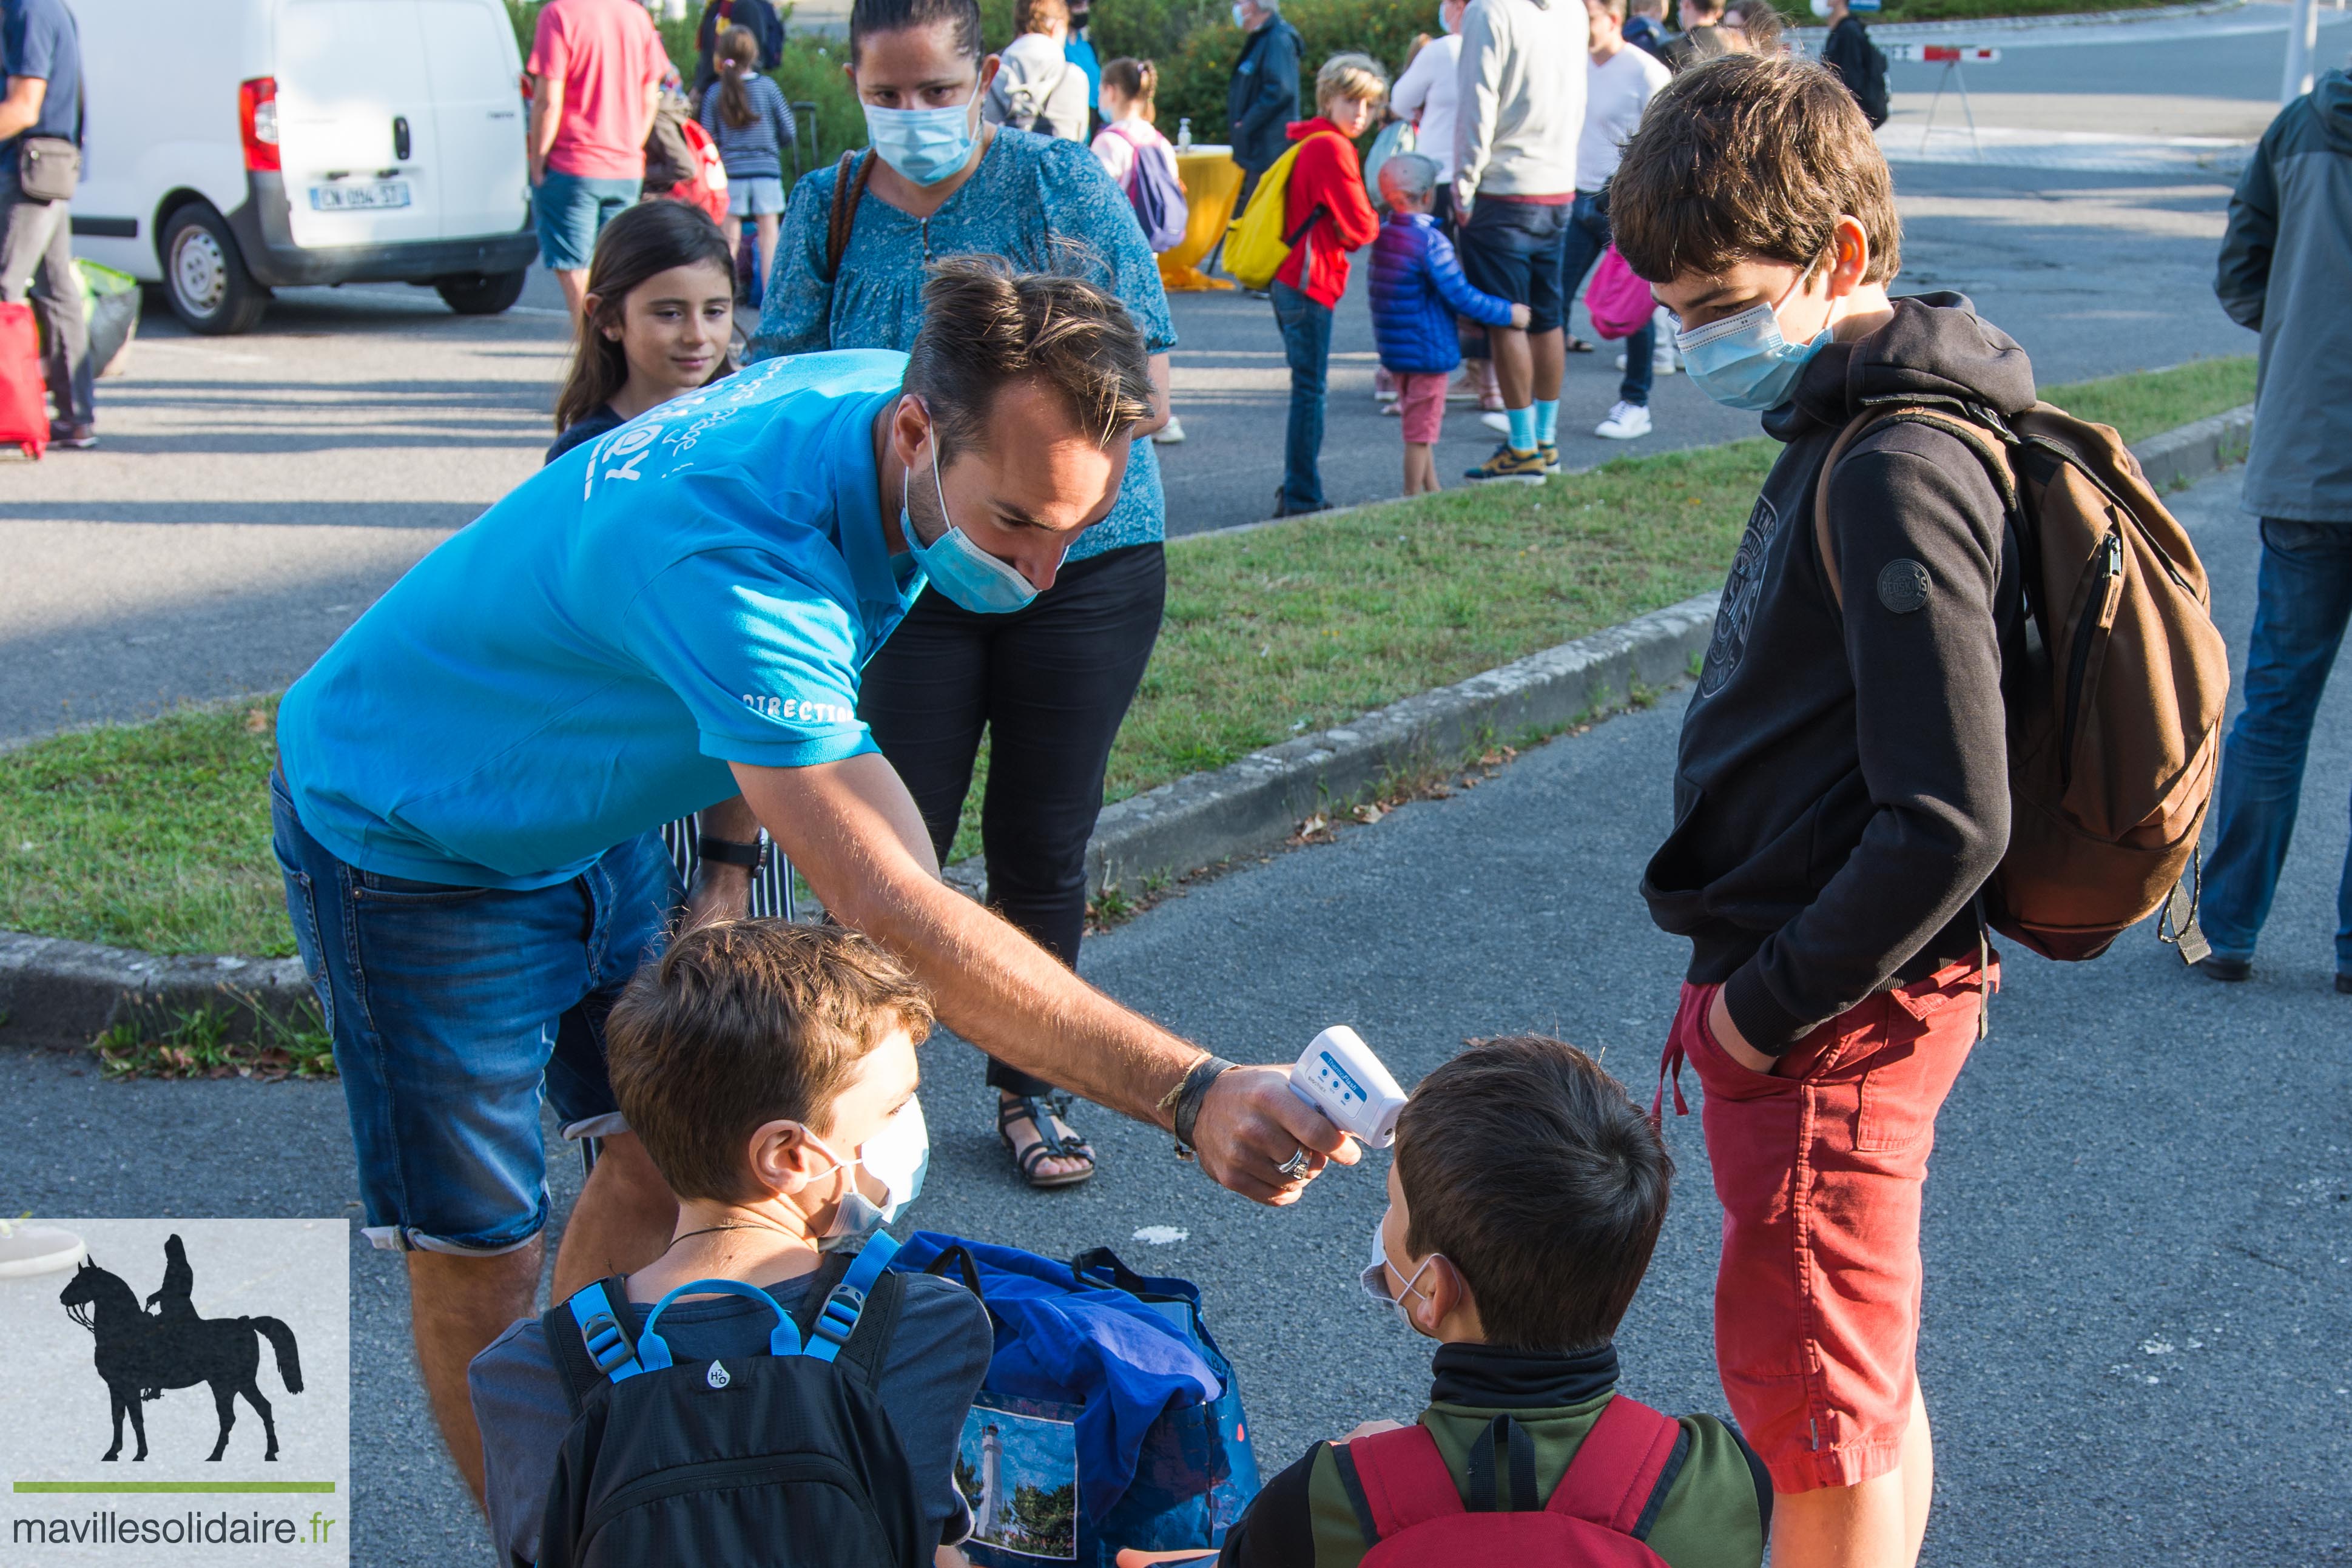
<point x="753" y="124"/>
<point x="660" y="312"/>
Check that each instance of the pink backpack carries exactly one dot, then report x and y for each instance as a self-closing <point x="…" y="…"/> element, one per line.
<point x="1619" y="301"/>
<point x="1598" y="1516"/>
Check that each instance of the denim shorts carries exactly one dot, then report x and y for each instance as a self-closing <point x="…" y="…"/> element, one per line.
<point x="754" y="194"/>
<point x="455" y="1011"/>
<point x="1512" y="249"/>
<point x="571" y="211"/>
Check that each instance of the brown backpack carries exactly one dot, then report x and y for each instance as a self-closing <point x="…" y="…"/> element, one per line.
<point x="2114" y="738"/>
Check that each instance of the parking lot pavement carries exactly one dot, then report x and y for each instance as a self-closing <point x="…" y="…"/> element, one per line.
<point x="2138" y="1231"/>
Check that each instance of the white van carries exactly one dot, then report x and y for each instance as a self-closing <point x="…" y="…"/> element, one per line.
<point x="238" y="145"/>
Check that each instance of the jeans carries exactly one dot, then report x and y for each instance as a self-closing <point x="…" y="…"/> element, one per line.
<point x="1588" y="236"/>
<point x="36" y="267"/>
<point x="1307" y="344"/>
<point x="570" y="210"/>
<point x="454" y="1011"/>
<point x="2303" y="602"/>
<point x="1049" y="684"/>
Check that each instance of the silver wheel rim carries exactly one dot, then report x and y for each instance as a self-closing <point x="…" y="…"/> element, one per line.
<point x="199" y="270"/>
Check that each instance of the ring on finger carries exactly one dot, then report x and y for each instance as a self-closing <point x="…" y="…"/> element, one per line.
<point x="1294" y="1166"/>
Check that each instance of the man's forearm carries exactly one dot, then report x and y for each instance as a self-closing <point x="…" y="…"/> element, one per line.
<point x="546" y="112"/>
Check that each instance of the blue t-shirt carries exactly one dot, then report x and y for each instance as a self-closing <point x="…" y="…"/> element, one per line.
<point x="1042" y="204"/>
<point x="578" y="665"/>
<point x="38" y="38"/>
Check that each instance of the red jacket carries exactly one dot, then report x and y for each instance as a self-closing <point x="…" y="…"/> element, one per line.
<point x="1327" y="176"/>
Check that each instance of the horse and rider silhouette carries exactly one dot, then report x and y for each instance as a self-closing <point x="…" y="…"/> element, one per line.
<point x="141" y="1353"/>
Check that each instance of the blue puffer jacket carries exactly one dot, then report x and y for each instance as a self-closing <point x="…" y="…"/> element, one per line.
<point x="1417" y="290"/>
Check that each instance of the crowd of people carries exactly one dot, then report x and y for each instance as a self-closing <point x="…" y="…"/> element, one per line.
<point x="764" y="610"/>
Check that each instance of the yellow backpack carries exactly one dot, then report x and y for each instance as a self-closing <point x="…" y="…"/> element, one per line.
<point x="1255" y="246"/>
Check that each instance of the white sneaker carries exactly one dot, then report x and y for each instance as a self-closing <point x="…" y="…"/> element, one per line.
<point x="35" y="1250"/>
<point x="1626" y="421"/>
<point x="1500" y="424"/>
<point x="1171" y="434"/>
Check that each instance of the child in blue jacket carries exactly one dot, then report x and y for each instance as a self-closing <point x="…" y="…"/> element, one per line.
<point x="1417" y="290"/>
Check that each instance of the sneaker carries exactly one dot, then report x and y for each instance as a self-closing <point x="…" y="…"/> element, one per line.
<point x="1497" y="421"/>
<point x="1551" y="456"/>
<point x="35" y="1250"/>
<point x="73" y="437"/>
<point x="1383" y="385"/>
<point x="1393" y="408"/>
<point x="2228" y="971"/>
<point x="1626" y="421"/>
<point x="1171" y="434"/>
<point x="1511" y="464"/>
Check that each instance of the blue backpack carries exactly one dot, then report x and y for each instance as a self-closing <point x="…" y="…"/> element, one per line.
<point x="1156" y="194"/>
<point x="1108" y="1419"/>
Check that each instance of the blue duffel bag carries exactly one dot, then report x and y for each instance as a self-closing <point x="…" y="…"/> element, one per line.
<point x="1108" y="1417"/>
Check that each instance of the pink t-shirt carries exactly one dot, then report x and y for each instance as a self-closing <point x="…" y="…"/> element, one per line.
<point x="605" y="53"/>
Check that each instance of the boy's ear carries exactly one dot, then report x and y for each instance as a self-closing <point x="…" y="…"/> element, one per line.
<point x="782" y="1158"/>
<point x="1449" y="1294"/>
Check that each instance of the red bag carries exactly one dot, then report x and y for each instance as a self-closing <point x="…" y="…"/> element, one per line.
<point x="1619" y="301"/>
<point x="24" y="395"/>
<point x="1597" y="1516"/>
<point x="707" y="186"/>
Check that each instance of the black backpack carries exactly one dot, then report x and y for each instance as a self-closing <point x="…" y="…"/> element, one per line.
<point x="783" y="1460"/>
<point x="1868" y="82"/>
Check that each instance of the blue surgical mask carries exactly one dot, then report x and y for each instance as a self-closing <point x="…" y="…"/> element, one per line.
<point x="1742" y="361"/>
<point x="1375" y="1278"/>
<point x="896" y="1156"/>
<point x="1240" y="18"/>
<point x="960" y="569"/>
<point x="926" y="145"/>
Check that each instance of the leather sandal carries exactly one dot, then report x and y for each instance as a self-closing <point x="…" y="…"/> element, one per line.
<point x="1039" y="1111"/>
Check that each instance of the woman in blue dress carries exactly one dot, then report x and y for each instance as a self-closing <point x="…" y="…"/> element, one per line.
<point x="1048" y="684"/>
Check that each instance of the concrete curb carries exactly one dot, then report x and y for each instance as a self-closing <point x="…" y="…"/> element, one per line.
<point x="57" y="992"/>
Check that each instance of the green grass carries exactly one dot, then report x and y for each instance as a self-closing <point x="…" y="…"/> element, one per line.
<point x="157" y="835"/>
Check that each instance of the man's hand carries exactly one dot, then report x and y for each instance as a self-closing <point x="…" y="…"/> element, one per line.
<point x="1250" y="1123"/>
<point x="538" y="171"/>
<point x="720" y="891"/>
<point x="1521" y="317"/>
<point x="1734" y="1044"/>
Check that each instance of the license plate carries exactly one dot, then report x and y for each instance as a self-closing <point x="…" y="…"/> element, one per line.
<point x="375" y="193"/>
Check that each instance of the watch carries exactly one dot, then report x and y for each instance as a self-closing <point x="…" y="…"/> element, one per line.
<point x="752" y="857"/>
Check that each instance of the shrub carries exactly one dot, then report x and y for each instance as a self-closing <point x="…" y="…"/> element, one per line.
<point x="1193" y="79"/>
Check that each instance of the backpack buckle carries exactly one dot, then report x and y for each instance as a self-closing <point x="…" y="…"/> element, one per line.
<point x="838" y="1321"/>
<point x="608" y="1347"/>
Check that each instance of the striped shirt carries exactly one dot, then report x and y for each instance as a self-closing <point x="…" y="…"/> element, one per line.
<point x="753" y="151"/>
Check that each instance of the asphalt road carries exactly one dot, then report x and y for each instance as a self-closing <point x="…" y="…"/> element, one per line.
<point x="2138" y="1231"/>
<point x="253" y="495"/>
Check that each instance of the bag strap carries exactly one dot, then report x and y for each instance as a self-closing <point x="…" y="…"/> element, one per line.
<point x="591" y="1335"/>
<point x="1970" y="434"/>
<point x="838" y="1319"/>
<point x="1395" y="1480"/>
<point x="1504" y="1438"/>
<point x="849" y="178"/>
<point x="1623" y="1469"/>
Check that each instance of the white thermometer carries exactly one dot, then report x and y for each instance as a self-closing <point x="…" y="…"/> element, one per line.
<point x="1339" y="1076"/>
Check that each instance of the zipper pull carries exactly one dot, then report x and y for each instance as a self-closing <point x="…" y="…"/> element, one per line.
<point x="2113" y="569"/>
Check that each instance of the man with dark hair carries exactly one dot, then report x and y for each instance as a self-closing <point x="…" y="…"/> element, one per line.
<point x="40" y="50"/>
<point x="1263" y="98"/>
<point x="680" y="613"/>
<point x="1524" y="1202"/>
<point x="1699" y="37"/>
<point x="1841" y="790"/>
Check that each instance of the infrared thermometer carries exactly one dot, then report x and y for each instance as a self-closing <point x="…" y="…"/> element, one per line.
<point x="1339" y="1076"/>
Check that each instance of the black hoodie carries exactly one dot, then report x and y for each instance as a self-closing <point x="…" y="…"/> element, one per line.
<point x="1842" y="788"/>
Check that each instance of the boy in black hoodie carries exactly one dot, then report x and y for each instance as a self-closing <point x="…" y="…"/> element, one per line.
<point x="1841" y="791"/>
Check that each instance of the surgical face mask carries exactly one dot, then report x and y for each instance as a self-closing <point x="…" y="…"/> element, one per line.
<point x="1446" y="25"/>
<point x="960" y="569"/>
<point x="1375" y="1278"/>
<point x="1240" y="18"/>
<point x="926" y="145"/>
<point x="1742" y="361"/>
<point x="896" y="1156"/>
<point x="1820" y="7"/>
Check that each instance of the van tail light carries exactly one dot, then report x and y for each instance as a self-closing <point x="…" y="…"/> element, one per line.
<point x="256" y="121"/>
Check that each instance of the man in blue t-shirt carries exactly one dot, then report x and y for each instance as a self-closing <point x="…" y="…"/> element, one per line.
<point x="40" y="50"/>
<point x="666" y="619"/>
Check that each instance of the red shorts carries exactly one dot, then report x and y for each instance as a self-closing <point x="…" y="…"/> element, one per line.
<point x="1420" y="402"/>
<point x="1820" y="1168"/>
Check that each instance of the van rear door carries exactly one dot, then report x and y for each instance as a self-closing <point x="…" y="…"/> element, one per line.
<point x="478" y="108"/>
<point x="356" y="129"/>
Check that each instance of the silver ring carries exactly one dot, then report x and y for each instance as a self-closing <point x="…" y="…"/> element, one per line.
<point x="1294" y="1166"/>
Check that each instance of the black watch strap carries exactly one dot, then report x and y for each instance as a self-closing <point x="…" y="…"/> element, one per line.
<point x="1189" y="1094"/>
<point x="730" y="852"/>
